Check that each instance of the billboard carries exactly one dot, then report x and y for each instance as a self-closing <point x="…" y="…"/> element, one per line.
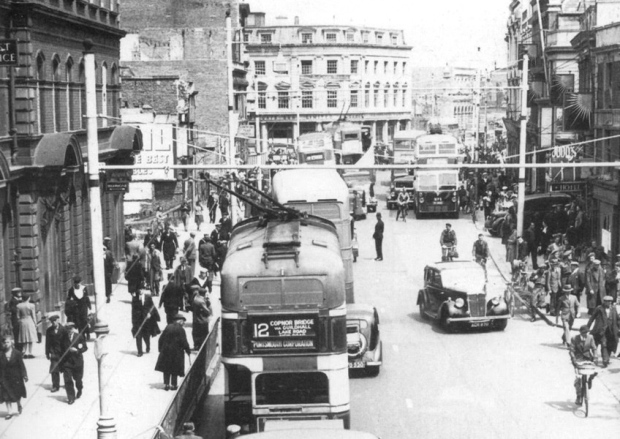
<point x="158" y="149"/>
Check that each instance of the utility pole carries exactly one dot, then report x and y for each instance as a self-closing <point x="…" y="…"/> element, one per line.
<point x="230" y="152"/>
<point x="522" y="145"/>
<point x="106" y="426"/>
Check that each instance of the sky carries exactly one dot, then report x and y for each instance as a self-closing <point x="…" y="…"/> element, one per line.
<point x="440" y="31"/>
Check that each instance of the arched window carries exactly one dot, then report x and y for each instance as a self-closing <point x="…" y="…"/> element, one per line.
<point x="114" y="92"/>
<point x="70" y="91"/>
<point x="41" y="96"/>
<point x="56" y="90"/>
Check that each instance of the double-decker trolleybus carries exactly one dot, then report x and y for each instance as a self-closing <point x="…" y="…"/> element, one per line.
<point x="404" y="148"/>
<point x="284" y="343"/>
<point x="436" y="188"/>
<point x="320" y="192"/>
<point x="316" y="148"/>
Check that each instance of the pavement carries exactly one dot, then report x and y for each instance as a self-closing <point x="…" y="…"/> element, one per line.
<point x="134" y="392"/>
<point x="610" y="376"/>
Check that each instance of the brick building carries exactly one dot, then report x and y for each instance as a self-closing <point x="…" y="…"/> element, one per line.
<point x="44" y="226"/>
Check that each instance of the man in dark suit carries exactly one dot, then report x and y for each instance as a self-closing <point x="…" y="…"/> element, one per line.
<point x="171" y="299"/>
<point x="11" y="309"/>
<point x="53" y="349"/>
<point x="108" y="267"/>
<point x="378" y="237"/>
<point x="605" y="330"/>
<point x="226" y="227"/>
<point x="72" y="365"/>
<point x="144" y="318"/>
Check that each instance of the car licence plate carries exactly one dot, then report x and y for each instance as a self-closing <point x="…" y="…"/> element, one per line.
<point x="483" y="324"/>
<point x="356" y="365"/>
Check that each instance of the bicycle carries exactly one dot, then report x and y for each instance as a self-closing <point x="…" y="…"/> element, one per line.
<point x="402" y="211"/>
<point x="585" y="369"/>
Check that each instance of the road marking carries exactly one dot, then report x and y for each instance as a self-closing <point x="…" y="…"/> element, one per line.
<point x="409" y="403"/>
<point x="395" y="347"/>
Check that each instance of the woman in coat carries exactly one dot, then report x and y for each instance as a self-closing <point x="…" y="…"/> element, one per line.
<point x="80" y="306"/>
<point x="172" y="346"/>
<point x="13" y="375"/>
<point x="27" y="325"/>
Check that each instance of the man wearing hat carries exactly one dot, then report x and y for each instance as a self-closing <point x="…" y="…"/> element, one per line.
<point x="554" y="284"/>
<point x="605" y="330"/>
<point x="172" y="346"/>
<point x="201" y="312"/>
<point x="207" y="256"/>
<point x="72" y="364"/>
<point x="582" y="348"/>
<point x="612" y="276"/>
<point x="53" y="349"/>
<point x="568" y="308"/>
<point x="595" y="285"/>
<point x="539" y="293"/>
<point x="144" y="318"/>
<point x="78" y="305"/>
<point x="171" y="299"/>
<point x="577" y="280"/>
<point x="226" y="227"/>
<point x="190" y="251"/>
<point x="188" y="432"/>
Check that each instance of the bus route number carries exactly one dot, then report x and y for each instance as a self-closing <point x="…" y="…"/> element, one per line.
<point x="261" y="330"/>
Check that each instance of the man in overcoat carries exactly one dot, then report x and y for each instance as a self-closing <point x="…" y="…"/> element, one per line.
<point x="171" y="299"/>
<point x="172" y="347"/>
<point x="378" y="237"/>
<point x="11" y="310"/>
<point x="80" y="306"/>
<point x="144" y="318"/>
<point x="53" y="349"/>
<point x="595" y="285"/>
<point x="190" y="251"/>
<point x="605" y="330"/>
<point x="169" y="245"/>
<point x="201" y="311"/>
<point x="183" y="275"/>
<point x="72" y="365"/>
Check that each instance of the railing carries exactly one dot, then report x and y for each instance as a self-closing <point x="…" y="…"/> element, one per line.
<point x="195" y="385"/>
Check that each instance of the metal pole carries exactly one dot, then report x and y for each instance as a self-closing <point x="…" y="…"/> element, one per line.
<point x="106" y="426"/>
<point x="522" y="146"/>
<point x="230" y="152"/>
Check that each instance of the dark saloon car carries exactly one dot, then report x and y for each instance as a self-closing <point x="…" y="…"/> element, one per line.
<point x="458" y="294"/>
<point x="363" y="339"/>
<point x="401" y="181"/>
<point x="542" y="203"/>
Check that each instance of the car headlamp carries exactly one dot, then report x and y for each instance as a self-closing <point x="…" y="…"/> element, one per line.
<point x="459" y="302"/>
<point x="495" y="301"/>
<point x="454" y="199"/>
<point x="392" y="194"/>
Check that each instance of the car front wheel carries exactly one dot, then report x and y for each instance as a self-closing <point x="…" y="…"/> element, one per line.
<point x="500" y="325"/>
<point x="422" y="306"/>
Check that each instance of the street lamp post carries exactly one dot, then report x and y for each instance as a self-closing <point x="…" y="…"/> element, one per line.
<point x="106" y="426"/>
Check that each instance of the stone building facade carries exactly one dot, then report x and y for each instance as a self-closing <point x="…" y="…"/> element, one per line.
<point x="45" y="225"/>
<point x="306" y="76"/>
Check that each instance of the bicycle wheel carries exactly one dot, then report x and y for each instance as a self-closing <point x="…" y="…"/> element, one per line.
<point x="584" y="393"/>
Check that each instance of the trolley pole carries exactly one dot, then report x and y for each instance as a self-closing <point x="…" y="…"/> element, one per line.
<point x="230" y="152"/>
<point x="522" y="146"/>
<point x="106" y="425"/>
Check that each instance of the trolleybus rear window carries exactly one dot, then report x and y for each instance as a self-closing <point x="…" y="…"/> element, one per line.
<point x="437" y="181"/>
<point x="403" y="144"/>
<point x="292" y="388"/>
<point x="330" y="211"/>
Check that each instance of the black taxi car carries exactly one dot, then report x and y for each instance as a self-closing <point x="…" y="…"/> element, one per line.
<point x="399" y="182"/>
<point x="458" y="294"/>
<point x="363" y="338"/>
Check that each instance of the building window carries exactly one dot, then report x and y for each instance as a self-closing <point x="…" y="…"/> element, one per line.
<point x="259" y="68"/>
<point x="56" y="110"/>
<point x="379" y="39"/>
<point x="354" y="63"/>
<point x="394" y="39"/>
<point x="104" y="93"/>
<point x="332" y="66"/>
<point x="246" y="37"/>
<point x="376" y="67"/>
<point x="332" y="98"/>
<point x="385" y="67"/>
<point x="70" y="108"/>
<point x="41" y="95"/>
<point x="395" y="92"/>
<point x="262" y="100"/>
<point x="306" y="99"/>
<point x="306" y="38"/>
<point x="366" y="67"/>
<point x="354" y="98"/>
<point x="404" y="98"/>
<point x="367" y="98"/>
<point x="330" y="37"/>
<point x="386" y="99"/>
<point x="376" y="98"/>
<point x="283" y="99"/>
<point x="350" y="37"/>
<point x="404" y="67"/>
<point x="365" y="37"/>
<point x="395" y="71"/>
<point x="306" y="67"/>
<point x="265" y="38"/>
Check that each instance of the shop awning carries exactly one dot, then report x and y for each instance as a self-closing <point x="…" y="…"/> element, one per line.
<point x="58" y="149"/>
<point x="122" y="143"/>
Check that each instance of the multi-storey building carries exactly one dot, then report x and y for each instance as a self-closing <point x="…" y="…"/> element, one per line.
<point x="44" y="226"/>
<point x="306" y="76"/>
<point x="597" y="100"/>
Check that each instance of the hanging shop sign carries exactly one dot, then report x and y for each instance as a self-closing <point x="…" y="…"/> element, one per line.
<point x="8" y="53"/>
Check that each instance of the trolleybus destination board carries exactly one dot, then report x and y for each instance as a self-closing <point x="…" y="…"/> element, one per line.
<point x="284" y="333"/>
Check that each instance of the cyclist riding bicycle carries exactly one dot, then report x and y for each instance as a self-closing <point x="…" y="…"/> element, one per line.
<point x="403" y="204"/>
<point x="447" y="240"/>
<point x="582" y="348"/>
